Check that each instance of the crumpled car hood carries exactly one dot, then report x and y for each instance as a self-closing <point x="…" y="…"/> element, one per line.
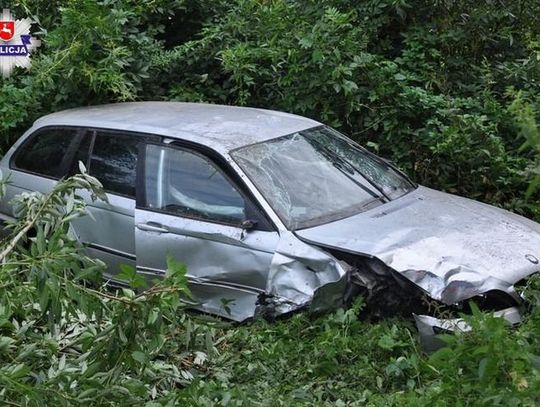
<point x="451" y="247"/>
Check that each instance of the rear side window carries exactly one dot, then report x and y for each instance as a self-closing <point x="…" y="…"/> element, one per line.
<point x="46" y="152"/>
<point x="83" y="152"/>
<point x="114" y="160"/>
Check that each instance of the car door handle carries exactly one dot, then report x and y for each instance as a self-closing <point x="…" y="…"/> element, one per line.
<point x="152" y="227"/>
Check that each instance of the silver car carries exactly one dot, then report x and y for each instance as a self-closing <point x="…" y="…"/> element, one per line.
<point x="274" y="213"/>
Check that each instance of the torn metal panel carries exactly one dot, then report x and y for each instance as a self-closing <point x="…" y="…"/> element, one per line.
<point x="458" y="288"/>
<point x="451" y="247"/>
<point x="384" y="291"/>
<point x="301" y="275"/>
<point x="429" y="327"/>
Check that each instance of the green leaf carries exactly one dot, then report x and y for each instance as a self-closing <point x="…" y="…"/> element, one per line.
<point x="6" y="343"/>
<point x="139" y="357"/>
<point x="19" y="371"/>
<point x="482" y="368"/>
<point x="535" y="361"/>
<point x="129" y="274"/>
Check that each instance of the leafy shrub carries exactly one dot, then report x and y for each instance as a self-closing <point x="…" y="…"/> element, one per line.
<point x="63" y="338"/>
<point x="423" y="83"/>
<point x="490" y="365"/>
<point x="447" y="89"/>
<point x="340" y="360"/>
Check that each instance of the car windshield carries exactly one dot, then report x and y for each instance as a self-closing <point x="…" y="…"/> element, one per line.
<point x="317" y="176"/>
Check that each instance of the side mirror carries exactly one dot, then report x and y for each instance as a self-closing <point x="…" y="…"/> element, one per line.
<point x="248" y="224"/>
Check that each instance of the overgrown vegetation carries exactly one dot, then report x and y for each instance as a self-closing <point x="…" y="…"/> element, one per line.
<point x="340" y="360"/>
<point x="448" y="90"/>
<point x="64" y="339"/>
<point x="431" y="85"/>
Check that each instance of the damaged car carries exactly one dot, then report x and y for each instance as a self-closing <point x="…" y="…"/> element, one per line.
<point x="274" y="213"/>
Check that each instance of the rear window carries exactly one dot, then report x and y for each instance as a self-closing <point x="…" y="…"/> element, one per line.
<point x="113" y="160"/>
<point x="45" y="152"/>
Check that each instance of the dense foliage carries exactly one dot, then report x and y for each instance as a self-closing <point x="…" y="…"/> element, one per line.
<point x="437" y="86"/>
<point x="64" y="337"/>
<point x="449" y="90"/>
<point x="339" y="360"/>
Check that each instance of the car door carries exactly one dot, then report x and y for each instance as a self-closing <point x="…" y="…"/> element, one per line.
<point x="189" y="208"/>
<point x="51" y="153"/>
<point x="110" y="156"/>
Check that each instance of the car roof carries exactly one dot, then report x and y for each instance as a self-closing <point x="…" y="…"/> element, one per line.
<point x="223" y="128"/>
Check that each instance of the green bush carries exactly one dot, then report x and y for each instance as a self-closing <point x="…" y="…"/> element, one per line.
<point x="340" y="360"/>
<point x="429" y="85"/>
<point x="65" y="337"/>
<point x="423" y="83"/>
<point x="446" y="89"/>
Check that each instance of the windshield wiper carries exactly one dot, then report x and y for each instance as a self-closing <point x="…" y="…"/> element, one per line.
<point x="349" y="170"/>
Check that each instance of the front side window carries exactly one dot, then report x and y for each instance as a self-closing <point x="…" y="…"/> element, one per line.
<point x="45" y="152"/>
<point x="316" y="176"/>
<point x="113" y="161"/>
<point x="184" y="183"/>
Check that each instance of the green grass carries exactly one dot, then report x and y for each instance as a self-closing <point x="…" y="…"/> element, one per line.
<point x="338" y="360"/>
